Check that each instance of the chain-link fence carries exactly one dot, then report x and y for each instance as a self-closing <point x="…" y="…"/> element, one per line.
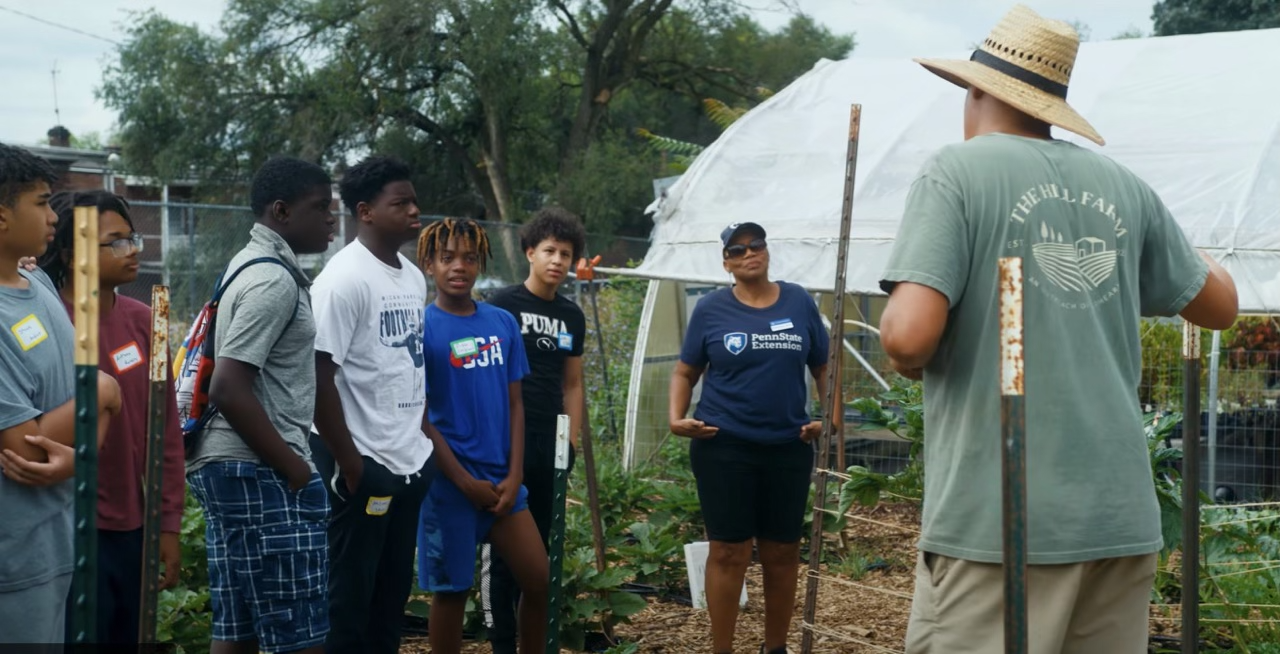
<point x="1239" y="421"/>
<point x="187" y="247"/>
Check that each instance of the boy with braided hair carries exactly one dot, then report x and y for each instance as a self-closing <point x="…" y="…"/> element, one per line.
<point x="475" y="361"/>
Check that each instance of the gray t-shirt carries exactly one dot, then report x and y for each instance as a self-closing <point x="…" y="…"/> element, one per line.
<point x="37" y="375"/>
<point x="1099" y="251"/>
<point x="265" y="321"/>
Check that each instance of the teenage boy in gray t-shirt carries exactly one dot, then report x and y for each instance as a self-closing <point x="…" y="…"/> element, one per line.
<point x="265" y="507"/>
<point x="37" y="406"/>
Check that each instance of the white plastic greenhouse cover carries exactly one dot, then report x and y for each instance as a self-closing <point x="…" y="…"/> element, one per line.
<point x="1197" y="117"/>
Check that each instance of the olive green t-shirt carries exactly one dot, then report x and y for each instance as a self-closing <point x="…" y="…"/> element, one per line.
<point x="1099" y="251"/>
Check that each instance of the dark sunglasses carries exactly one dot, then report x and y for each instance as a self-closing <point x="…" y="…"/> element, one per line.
<point x="738" y="250"/>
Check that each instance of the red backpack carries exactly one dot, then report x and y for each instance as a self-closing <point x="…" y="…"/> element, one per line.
<point x="193" y="363"/>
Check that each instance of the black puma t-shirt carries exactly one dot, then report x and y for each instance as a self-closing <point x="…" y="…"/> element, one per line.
<point x="552" y="331"/>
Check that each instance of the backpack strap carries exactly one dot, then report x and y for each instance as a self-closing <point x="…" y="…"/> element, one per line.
<point x="220" y="287"/>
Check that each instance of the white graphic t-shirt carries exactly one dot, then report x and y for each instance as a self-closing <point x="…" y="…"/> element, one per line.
<point x="369" y="318"/>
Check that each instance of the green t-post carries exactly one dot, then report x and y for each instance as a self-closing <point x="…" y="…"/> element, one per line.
<point x="556" y="549"/>
<point x="84" y="587"/>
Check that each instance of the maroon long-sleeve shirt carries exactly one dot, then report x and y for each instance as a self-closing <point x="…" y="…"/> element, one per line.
<point x="124" y="345"/>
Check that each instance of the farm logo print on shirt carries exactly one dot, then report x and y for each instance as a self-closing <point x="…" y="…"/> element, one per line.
<point x="1075" y="269"/>
<point x="469" y="353"/>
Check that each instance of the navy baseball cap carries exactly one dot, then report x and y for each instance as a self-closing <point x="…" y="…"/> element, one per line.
<point x="733" y="229"/>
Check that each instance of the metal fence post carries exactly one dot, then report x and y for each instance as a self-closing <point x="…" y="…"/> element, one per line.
<point x="556" y="549"/>
<point x="1013" y="432"/>
<point x="154" y="467"/>
<point x="834" y="395"/>
<point x="164" y="235"/>
<point x="84" y="592"/>
<point x="189" y="222"/>
<point x="1215" y="352"/>
<point x="1191" y="488"/>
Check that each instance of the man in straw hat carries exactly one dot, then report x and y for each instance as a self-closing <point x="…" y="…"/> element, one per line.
<point x="1100" y="250"/>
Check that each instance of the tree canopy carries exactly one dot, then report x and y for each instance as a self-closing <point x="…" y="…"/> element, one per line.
<point x="1199" y="16"/>
<point x="501" y="105"/>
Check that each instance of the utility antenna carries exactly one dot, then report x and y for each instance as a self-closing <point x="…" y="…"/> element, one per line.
<point x="56" y="112"/>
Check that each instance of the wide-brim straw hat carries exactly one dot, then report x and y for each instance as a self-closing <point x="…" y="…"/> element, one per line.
<point x="1026" y="62"/>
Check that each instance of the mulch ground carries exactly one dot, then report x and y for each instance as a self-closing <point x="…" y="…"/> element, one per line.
<point x="861" y="607"/>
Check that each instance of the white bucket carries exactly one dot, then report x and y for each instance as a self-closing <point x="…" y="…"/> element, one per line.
<point x="695" y="559"/>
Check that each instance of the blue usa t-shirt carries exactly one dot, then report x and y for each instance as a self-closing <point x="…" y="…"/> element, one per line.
<point x="470" y="360"/>
<point x="754" y="384"/>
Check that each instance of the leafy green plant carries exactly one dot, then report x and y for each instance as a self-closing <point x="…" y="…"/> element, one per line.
<point x="868" y="488"/>
<point x="1165" y="476"/>
<point x="184" y="616"/>
<point x="1239" y="579"/>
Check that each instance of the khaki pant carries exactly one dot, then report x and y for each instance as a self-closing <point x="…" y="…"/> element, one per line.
<point x="1098" y="607"/>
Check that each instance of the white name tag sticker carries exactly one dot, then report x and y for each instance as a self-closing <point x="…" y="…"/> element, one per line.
<point x="779" y="325"/>
<point x="566" y="341"/>
<point x="30" y="332"/>
<point x="464" y="347"/>
<point x="127" y="358"/>
<point x="378" y="506"/>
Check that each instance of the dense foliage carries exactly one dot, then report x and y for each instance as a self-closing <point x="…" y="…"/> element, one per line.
<point x="500" y="105"/>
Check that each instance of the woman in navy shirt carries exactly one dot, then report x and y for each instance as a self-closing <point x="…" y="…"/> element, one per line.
<point x="752" y="452"/>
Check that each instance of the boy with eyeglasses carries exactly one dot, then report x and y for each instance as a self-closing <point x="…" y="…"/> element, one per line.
<point x="124" y="341"/>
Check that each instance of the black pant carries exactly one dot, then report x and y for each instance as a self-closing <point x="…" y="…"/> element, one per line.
<point x="501" y="594"/>
<point x="119" y="588"/>
<point x="371" y="552"/>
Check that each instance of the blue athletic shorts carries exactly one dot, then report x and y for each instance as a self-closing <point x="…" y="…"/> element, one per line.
<point x="268" y="555"/>
<point x="449" y="529"/>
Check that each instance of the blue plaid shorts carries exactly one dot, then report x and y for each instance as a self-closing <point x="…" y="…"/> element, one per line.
<point x="268" y="555"/>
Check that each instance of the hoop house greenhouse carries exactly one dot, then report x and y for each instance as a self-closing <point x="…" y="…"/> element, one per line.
<point x="1192" y="115"/>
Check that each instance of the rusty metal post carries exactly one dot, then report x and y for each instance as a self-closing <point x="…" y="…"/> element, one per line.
<point x="834" y="395"/>
<point x="1190" y="488"/>
<point x="84" y="586"/>
<point x="1013" y="433"/>
<point x="152" y="487"/>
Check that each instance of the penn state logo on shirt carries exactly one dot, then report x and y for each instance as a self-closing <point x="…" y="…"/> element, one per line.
<point x="735" y="342"/>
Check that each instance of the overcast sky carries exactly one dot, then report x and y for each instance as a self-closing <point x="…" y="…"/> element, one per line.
<point x="30" y="49"/>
